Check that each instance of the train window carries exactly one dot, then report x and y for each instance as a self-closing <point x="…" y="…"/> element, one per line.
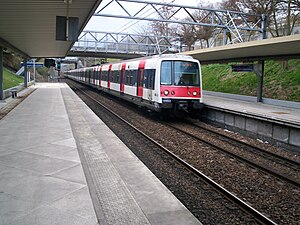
<point x="112" y="76"/>
<point x="104" y="75"/>
<point x="145" y="81"/>
<point x="98" y="74"/>
<point x="109" y="75"/>
<point x="149" y="75"/>
<point x="118" y="76"/>
<point x="151" y="79"/>
<point x="131" y="77"/>
<point x="134" y="77"/>
<point x="126" y="77"/>
<point x="165" y="73"/>
<point x="186" y="73"/>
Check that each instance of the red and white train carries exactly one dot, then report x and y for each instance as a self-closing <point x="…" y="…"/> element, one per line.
<point x="169" y="84"/>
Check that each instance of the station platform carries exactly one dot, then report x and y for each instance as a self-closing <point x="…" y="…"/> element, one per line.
<point x="279" y="113"/>
<point x="60" y="164"/>
<point x="279" y="125"/>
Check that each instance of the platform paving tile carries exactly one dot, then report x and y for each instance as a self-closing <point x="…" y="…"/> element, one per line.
<point x="41" y="178"/>
<point x="44" y="189"/>
<point x="36" y="163"/>
<point x="76" y="203"/>
<point x="68" y="142"/>
<point x="6" y="151"/>
<point x="27" y="141"/>
<point x="11" y="177"/>
<point x="55" y="151"/>
<point x="12" y="207"/>
<point x="74" y="174"/>
<point x="47" y="215"/>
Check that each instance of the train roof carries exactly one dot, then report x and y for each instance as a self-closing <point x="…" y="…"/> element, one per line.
<point x="179" y="56"/>
<point x="162" y="56"/>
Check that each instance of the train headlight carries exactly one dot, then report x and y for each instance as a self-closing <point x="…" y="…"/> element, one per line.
<point x="172" y="92"/>
<point x="166" y="92"/>
<point x="195" y="93"/>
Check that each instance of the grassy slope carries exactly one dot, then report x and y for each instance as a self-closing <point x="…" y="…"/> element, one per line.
<point x="10" y="79"/>
<point x="279" y="83"/>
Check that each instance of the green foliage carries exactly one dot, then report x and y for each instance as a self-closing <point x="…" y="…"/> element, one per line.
<point x="281" y="80"/>
<point x="10" y="79"/>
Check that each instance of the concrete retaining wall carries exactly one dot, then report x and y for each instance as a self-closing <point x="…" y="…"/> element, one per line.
<point x="279" y="134"/>
<point x="7" y="93"/>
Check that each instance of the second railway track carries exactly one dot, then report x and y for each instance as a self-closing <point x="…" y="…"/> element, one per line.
<point x="286" y="169"/>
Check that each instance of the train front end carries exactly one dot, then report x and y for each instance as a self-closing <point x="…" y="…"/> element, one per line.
<point x="180" y="86"/>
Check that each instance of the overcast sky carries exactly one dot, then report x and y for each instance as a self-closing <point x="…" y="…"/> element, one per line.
<point x="125" y="25"/>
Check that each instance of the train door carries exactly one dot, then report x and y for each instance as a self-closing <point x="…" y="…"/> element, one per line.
<point x="100" y="76"/>
<point x="140" y="78"/>
<point x="95" y="77"/>
<point x="89" y="76"/>
<point x="122" y="78"/>
<point x="109" y="76"/>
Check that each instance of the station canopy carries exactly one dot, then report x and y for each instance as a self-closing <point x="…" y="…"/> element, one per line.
<point x="286" y="47"/>
<point x="29" y="26"/>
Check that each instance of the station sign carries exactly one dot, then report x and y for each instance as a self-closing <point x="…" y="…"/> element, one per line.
<point x="242" y="68"/>
<point x="30" y="64"/>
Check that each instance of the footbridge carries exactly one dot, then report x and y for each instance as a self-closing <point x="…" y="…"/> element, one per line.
<point x="122" y="45"/>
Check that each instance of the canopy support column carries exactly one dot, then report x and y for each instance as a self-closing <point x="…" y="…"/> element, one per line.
<point x="25" y="73"/>
<point x="1" y="72"/>
<point x="259" y="70"/>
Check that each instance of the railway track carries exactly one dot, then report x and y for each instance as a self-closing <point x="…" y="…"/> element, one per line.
<point x="287" y="170"/>
<point x="258" y="150"/>
<point x="253" y="215"/>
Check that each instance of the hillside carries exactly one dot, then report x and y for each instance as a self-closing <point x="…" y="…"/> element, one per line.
<point x="281" y="80"/>
<point x="10" y="79"/>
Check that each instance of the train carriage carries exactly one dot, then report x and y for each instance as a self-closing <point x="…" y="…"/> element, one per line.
<point x="170" y="84"/>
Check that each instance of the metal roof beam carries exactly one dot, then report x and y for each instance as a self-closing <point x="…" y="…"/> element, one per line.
<point x="177" y="21"/>
<point x="229" y="21"/>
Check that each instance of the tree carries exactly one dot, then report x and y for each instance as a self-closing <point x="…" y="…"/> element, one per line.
<point x="187" y="32"/>
<point x="282" y="15"/>
<point x="203" y="32"/>
<point x="193" y="33"/>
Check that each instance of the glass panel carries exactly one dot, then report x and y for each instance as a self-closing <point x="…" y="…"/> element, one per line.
<point x="165" y="73"/>
<point x="186" y="73"/>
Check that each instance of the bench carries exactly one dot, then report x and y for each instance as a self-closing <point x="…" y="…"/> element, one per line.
<point x="14" y="92"/>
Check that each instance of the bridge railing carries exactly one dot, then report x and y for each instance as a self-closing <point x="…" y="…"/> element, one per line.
<point x="97" y="41"/>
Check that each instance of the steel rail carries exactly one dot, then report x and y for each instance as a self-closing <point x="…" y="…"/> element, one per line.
<point x="262" y="168"/>
<point x="290" y="161"/>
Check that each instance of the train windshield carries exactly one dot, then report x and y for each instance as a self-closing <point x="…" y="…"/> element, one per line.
<point x="180" y="73"/>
